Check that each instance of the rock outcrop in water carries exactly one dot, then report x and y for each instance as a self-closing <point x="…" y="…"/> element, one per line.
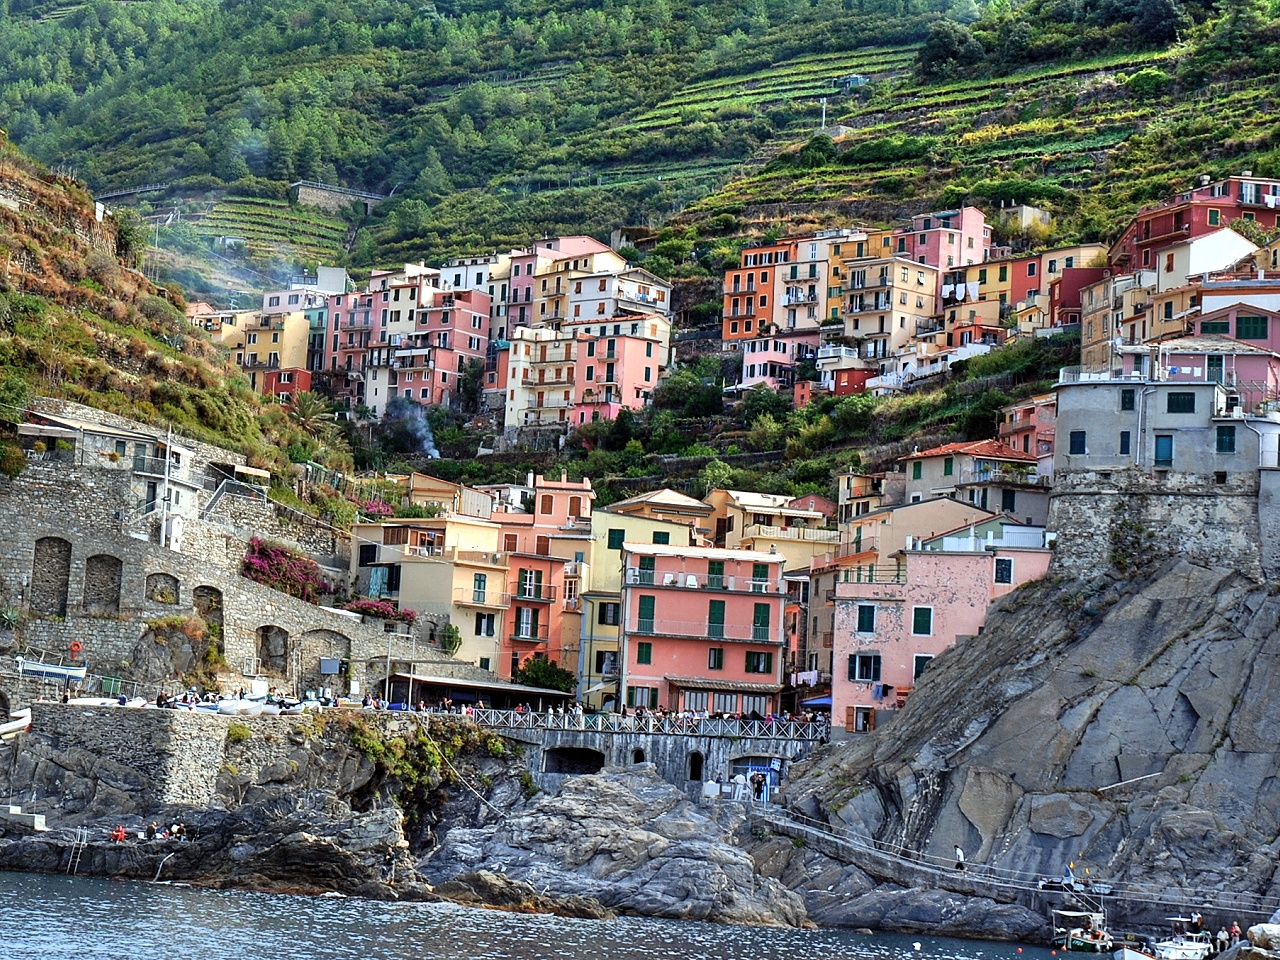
<point x="632" y="841"/>
<point x="1130" y="728"/>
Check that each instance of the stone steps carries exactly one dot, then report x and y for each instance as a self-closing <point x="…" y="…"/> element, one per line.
<point x="34" y="821"/>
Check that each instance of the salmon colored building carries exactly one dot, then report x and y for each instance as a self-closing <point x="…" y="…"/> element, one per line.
<point x="703" y="629"/>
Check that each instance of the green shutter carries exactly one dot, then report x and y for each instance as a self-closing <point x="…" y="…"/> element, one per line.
<point x="917" y="470"/>
<point x="866" y="618"/>
<point x="922" y="621"/>
<point x="616" y="538"/>
<point x="644" y="653"/>
<point x="715" y="618"/>
<point x="760" y="622"/>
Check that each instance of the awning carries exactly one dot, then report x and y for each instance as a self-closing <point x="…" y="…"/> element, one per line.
<point x="252" y="471"/>
<point x="603" y="685"/>
<point x="36" y="430"/>
<point x="496" y="685"/>
<point x="817" y="702"/>
<point x="724" y="686"/>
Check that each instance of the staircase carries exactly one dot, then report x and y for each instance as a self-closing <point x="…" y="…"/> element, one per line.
<point x="77" y="850"/>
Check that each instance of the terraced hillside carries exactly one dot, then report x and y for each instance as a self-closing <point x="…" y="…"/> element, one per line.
<point x="1091" y="140"/>
<point x="274" y="227"/>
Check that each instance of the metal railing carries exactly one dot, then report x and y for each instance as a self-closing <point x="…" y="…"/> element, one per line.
<point x="529" y="634"/>
<point x="702" y="629"/>
<point x="776" y="729"/>
<point x="702" y="581"/>
<point x="537" y="592"/>
<point x="471" y="597"/>
<point x="816" y="534"/>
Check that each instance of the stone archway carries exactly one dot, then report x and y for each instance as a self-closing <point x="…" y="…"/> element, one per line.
<point x="50" y="577"/>
<point x="695" y="765"/>
<point x="163" y="588"/>
<point x="102" y="577"/>
<point x="272" y="649"/>
<point x="637" y="756"/>
<point x="572" y="760"/>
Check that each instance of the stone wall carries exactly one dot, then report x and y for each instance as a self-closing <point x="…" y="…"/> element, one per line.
<point x="242" y="518"/>
<point x="1127" y="518"/>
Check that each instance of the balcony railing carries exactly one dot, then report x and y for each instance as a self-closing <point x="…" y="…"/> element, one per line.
<point x="703" y="581"/>
<point x="471" y="597"/>
<point x="529" y="633"/>
<point x="702" y="630"/>
<point x="811" y="730"/>
<point x="813" y="534"/>
<point x="535" y="593"/>
<point x="155" y="467"/>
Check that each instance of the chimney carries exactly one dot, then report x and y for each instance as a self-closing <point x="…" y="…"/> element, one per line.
<point x="1246" y="173"/>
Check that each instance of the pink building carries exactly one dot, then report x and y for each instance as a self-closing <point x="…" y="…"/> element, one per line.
<point x="891" y="619"/>
<point x="451" y="330"/>
<point x="350" y="335"/>
<point x="772" y="360"/>
<point x="702" y="628"/>
<point x="615" y="368"/>
<point x="1249" y="371"/>
<point x="948" y="240"/>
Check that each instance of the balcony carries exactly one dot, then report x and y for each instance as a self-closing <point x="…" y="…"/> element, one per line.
<point x="155" y="467"/>
<point x="811" y="534"/>
<point x="529" y="633"/>
<point x="1014" y="426"/>
<point x="702" y="630"/>
<point x="471" y="597"/>
<point x="926" y="327"/>
<point x="702" y="581"/>
<point x="864" y="576"/>
<point x="575" y="525"/>
<point x="535" y="593"/>
<point x="799" y="297"/>
<point x="552" y="381"/>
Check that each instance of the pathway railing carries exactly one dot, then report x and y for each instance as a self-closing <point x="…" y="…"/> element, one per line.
<point x="811" y="730"/>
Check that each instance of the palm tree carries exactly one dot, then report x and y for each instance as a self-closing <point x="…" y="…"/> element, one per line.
<point x="312" y="414"/>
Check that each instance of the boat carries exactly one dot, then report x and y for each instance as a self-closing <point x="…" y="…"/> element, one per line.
<point x="1133" y="946"/>
<point x="1197" y="945"/>
<point x="51" y="671"/>
<point x="20" y="720"/>
<point x="1082" y="931"/>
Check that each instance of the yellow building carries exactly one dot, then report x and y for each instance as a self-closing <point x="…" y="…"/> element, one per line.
<point x="601" y="607"/>
<point x="768" y="523"/>
<point x="673" y="506"/>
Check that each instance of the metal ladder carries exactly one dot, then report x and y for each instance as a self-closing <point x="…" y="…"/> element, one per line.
<point x="77" y="850"/>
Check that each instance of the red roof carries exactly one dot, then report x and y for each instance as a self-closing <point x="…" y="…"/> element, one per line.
<point x="989" y="449"/>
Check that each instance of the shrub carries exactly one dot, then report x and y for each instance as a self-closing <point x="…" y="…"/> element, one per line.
<point x="276" y="566"/>
<point x="380" y="609"/>
<point x="238" y="732"/>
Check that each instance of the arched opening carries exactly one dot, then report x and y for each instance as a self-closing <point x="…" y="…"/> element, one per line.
<point x="162" y="588"/>
<point x="637" y="756"/>
<point x="272" y="649"/>
<point x="208" y="603"/>
<point x="102" y="575"/>
<point x="50" y="576"/>
<point x="695" y="766"/>
<point x="4" y="707"/>
<point x="572" y="760"/>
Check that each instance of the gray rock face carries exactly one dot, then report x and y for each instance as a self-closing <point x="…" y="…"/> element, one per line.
<point x="630" y="840"/>
<point x="1130" y="728"/>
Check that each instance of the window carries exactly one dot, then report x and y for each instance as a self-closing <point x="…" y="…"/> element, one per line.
<point x="1053" y="266"/>
<point x="922" y="664"/>
<point x="1031" y="269"/>
<point x="695" y="700"/>
<point x="642" y="697"/>
<point x="866" y="618"/>
<point x="864" y="667"/>
<point x="1182" y="402"/>
<point x="1215" y="217"/>
<point x="1251" y="328"/>
<point x="1076" y="443"/>
<point x="1226" y="439"/>
<point x="1216" y="326"/>
<point x="948" y="466"/>
<point x="479" y="587"/>
<point x="547" y="501"/>
<point x="1008" y="499"/>
<point x="509" y="542"/>
<point x="759" y="579"/>
<point x="715" y="574"/>
<point x="1125" y="443"/>
<point x="616" y="538"/>
<point x="484" y="663"/>
<point x="647" y="568"/>
<point x="368" y="554"/>
<point x="608" y="615"/>
<point x="644" y="619"/>
<point x="644" y="652"/>
<point x="715" y="658"/>
<point x="917" y="470"/>
<point x="485" y="625"/>
<point x="922" y="621"/>
<point x="759" y="662"/>
<point x="1004" y="274"/>
<point x="530" y="582"/>
<point x="760" y="622"/>
<point x="715" y="619"/>
<point x="1004" y="570"/>
<point x="1164" y="450"/>
<point x="1126" y="399"/>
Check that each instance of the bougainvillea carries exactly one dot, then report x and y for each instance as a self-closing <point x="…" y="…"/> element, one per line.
<point x="381" y="609"/>
<point x="374" y="508"/>
<point x="280" y="568"/>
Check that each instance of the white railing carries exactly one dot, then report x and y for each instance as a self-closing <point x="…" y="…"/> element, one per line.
<point x="704" y="581"/>
<point x="816" y="534"/>
<point x="815" y="729"/>
<point x="702" y="629"/>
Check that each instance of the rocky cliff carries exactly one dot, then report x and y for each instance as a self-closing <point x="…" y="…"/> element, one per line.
<point x="1131" y="727"/>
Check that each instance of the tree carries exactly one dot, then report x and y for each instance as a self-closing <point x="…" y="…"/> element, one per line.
<point x="312" y="414"/>
<point x="714" y="476"/>
<point x="947" y="50"/>
<point x="545" y="674"/>
<point x="760" y="400"/>
<point x="450" y="639"/>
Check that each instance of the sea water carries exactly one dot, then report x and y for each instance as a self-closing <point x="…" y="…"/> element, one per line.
<point x="55" y="917"/>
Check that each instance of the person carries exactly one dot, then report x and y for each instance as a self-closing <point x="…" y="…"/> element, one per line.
<point x="389" y="866"/>
<point x="1197" y="921"/>
<point x="1224" y="940"/>
<point x="1235" y="932"/>
<point x="182" y="833"/>
<point x="151" y="831"/>
<point x="66" y="696"/>
<point x="118" y="834"/>
<point x="959" y="857"/>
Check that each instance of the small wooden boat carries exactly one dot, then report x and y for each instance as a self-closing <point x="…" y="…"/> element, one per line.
<point x="1081" y="931"/>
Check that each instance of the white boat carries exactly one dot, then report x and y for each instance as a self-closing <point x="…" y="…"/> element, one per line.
<point x="1197" y="945"/>
<point x="229" y="708"/>
<point x="51" y="671"/>
<point x="1083" y="931"/>
<point x="1127" y="952"/>
<point x="21" y="720"/>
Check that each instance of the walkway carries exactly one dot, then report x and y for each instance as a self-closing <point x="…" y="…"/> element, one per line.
<point x="813" y="730"/>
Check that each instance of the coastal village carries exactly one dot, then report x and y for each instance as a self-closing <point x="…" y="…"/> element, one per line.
<point x="711" y="643"/>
